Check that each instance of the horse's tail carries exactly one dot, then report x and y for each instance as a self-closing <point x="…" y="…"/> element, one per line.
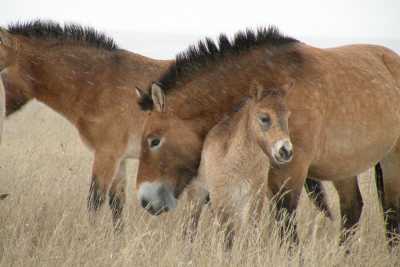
<point x="317" y="194"/>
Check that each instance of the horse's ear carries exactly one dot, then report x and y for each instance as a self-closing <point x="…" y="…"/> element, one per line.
<point x="256" y="90"/>
<point x="287" y="87"/>
<point x="158" y="96"/>
<point x="139" y="92"/>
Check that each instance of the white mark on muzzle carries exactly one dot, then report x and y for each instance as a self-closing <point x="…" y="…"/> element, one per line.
<point x="156" y="196"/>
<point x="285" y="144"/>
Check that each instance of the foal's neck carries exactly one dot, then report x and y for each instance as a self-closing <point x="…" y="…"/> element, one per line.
<point x="241" y="134"/>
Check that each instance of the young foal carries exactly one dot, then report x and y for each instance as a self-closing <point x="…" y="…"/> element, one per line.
<point x="235" y="158"/>
<point x="82" y="75"/>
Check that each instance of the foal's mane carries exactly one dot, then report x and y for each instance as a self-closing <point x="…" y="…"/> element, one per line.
<point x="51" y="30"/>
<point x="206" y="52"/>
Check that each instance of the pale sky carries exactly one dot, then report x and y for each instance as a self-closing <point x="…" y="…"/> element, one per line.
<point x="162" y="28"/>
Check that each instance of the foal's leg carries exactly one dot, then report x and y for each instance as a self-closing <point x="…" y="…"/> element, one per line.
<point x="104" y="169"/>
<point x="198" y="197"/>
<point x="351" y="204"/>
<point x="117" y="197"/>
<point x="391" y="199"/>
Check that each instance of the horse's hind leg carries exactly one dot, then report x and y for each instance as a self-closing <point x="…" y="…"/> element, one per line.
<point x="391" y="196"/>
<point x="350" y="204"/>
<point x="104" y="169"/>
<point x="117" y="197"/>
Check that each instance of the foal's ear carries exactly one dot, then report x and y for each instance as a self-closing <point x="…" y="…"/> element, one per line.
<point x="256" y="90"/>
<point x="158" y="96"/>
<point x="287" y="87"/>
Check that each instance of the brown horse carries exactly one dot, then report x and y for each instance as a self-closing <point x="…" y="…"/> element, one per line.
<point x="343" y="105"/>
<point x="81" y="74"/>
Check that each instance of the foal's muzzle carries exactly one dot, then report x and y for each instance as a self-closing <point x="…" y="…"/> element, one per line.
<point x="156" y="198"/>
<point x="282" y="151"/>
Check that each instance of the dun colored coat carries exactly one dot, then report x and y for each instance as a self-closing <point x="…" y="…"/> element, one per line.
<point x="344" y="118"/>
<point x="235" y="160"/>
<point x="81" y="74"/>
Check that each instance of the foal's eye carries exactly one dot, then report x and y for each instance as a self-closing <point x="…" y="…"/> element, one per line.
<point x="154" y="142"/>
<point x="264" y="120"/>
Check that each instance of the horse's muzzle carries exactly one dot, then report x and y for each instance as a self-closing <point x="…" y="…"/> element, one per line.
<point x="283" y="151"/>
<point x="156" y="198"/>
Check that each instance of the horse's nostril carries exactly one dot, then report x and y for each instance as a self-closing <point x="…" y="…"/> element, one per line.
<point x="144" y="203"/>
<point x="285" y="153"/>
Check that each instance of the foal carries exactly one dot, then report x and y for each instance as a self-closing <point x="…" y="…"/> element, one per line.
<point x="82" y="74"/>
<point x="235" y="160"/>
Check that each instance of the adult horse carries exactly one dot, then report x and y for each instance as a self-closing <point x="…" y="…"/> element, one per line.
<point x="81" y="74"/>
<point x="345" y="117"/>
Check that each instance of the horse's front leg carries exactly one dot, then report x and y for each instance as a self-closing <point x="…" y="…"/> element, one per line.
<point x="105" y="166"/>
<point x="117" y="196"/>
<point x="286" y="183"/>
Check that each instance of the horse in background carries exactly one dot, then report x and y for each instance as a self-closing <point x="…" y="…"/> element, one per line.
<point x="83" y="75"/>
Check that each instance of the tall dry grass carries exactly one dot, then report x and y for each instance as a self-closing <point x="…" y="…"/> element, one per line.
<point x="43" y="222"/>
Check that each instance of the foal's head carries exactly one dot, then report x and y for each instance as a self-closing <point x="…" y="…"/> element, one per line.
<point x="268" y="121"/>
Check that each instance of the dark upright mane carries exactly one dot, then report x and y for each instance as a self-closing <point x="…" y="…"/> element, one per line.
<point x="207" y="51"/>
<point x="68" y="32"/>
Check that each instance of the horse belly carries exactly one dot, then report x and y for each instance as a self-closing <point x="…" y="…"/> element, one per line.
<point x="351" y="146"/>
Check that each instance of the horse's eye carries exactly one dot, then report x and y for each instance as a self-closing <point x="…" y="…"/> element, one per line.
<point x="154" y="142"/>
<point x="264" y="120"/>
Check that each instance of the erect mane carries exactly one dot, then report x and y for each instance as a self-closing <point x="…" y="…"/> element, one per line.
<point x="68" y="32"/>
<point x="207" y="51"/>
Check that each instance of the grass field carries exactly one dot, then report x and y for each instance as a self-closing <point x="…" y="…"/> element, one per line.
<point x="46" y="169"/>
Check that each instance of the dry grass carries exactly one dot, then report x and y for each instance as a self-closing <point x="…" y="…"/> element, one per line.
<point x="46" y="169"/>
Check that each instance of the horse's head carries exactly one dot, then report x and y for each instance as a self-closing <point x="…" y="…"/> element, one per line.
<point x="268" y="121"/>
<point x="169" y="159"/>
<point x="8" y="49"/>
